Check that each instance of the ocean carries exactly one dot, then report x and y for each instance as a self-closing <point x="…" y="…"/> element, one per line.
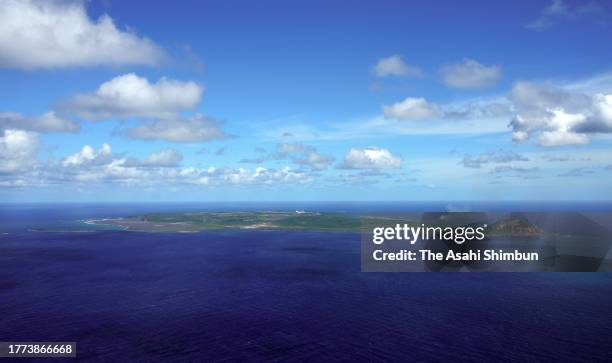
<point x="276" y="295"/>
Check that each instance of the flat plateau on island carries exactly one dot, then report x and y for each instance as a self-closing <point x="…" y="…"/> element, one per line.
<point x="201" y="221"/>
<point x="298" y="220"/>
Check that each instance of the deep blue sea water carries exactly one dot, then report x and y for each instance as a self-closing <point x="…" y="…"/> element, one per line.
<point x="276" y="296"/>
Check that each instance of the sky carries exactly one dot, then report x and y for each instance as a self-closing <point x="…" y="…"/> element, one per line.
<point x="305" y="100"/>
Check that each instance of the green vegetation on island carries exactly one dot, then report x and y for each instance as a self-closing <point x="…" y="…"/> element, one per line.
<point x="514" y="227"/>
<point x="297" y="220"/>
<point x="200" y="221"/>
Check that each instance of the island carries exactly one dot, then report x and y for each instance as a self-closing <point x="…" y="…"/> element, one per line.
<point x="202" y="221"/>
<point x="289" y="220"/>
<point x="514" y="227"/>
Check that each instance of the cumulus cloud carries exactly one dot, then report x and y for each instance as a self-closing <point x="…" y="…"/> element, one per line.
<point x="297" y="153"/>
<point x="500" y="156"/>
<point x="411" y="109"/>
<point x="90" y="165"/>
<point x="115" y="170"/>
<point x="562" y="135"/>
<point x="263" y="176"/>
<point x="54" y="34"/>
<point x="89" y="156"/>
<point x="558" y="116"/>
<point x="242" y="176"/>
<point x="158" y="107"/>
<point x="600" y="119"/>
<point x="303" y="155"/>
<point x="370" y="158"/>
<point x="559" y="10"/>
<point x="46" y="123"/>
<point x="165" y="158"/>
<point x="129" y="95"/>
<point x="470" y="74"/>
<point x="103" y="165"/>
<point x="185" y="130"/>
<point x="19" y="142"/>
<point x="18" y="150"/>
<point x="477" y="110"/>
<point x="421" y="109"/>
<point x="395" y="66"/>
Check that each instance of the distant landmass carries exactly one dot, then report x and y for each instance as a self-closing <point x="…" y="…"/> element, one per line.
<point x="298" y="220"/>
<point x="514" y="227"/>
<point x="200" y="221"/>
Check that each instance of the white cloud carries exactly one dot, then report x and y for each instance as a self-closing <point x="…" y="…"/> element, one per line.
<point x="303" y="155"/>
<point x="263" y="176"/>
<point x="46" y="123"/>
<point x="395" y="66"/>
<point x="601" y="117"/>
<point x="560" y="133"/>
<point x="599" y="83"/>
<point x="113" y="171"/>
<point x="237" y="176"/>
<point x="558" y="116"/>
<point x="603" y="105"/>
<point x="477" y="110"/>
<point x="89" y="156"/>
<point x="470" y="74"/>
<point x="500" y="156"/>
<point x="411" y="109"/>
<point x="473" y="116"/>
<point x="556" y="9"/>
<point x="18" y="150"/>
<point x="102" y="165"/>
<point x="300" y="154"/>
<point x="370" y="158"/>
<point x="161" y="103"/>
<point x="420" y="108"/>
<point x="54" y="34"/>
<point x="559" y="10"/>
<point x="129" y="95"/>
<point x="189" y="130"/>
<point x="166" y="158"/>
